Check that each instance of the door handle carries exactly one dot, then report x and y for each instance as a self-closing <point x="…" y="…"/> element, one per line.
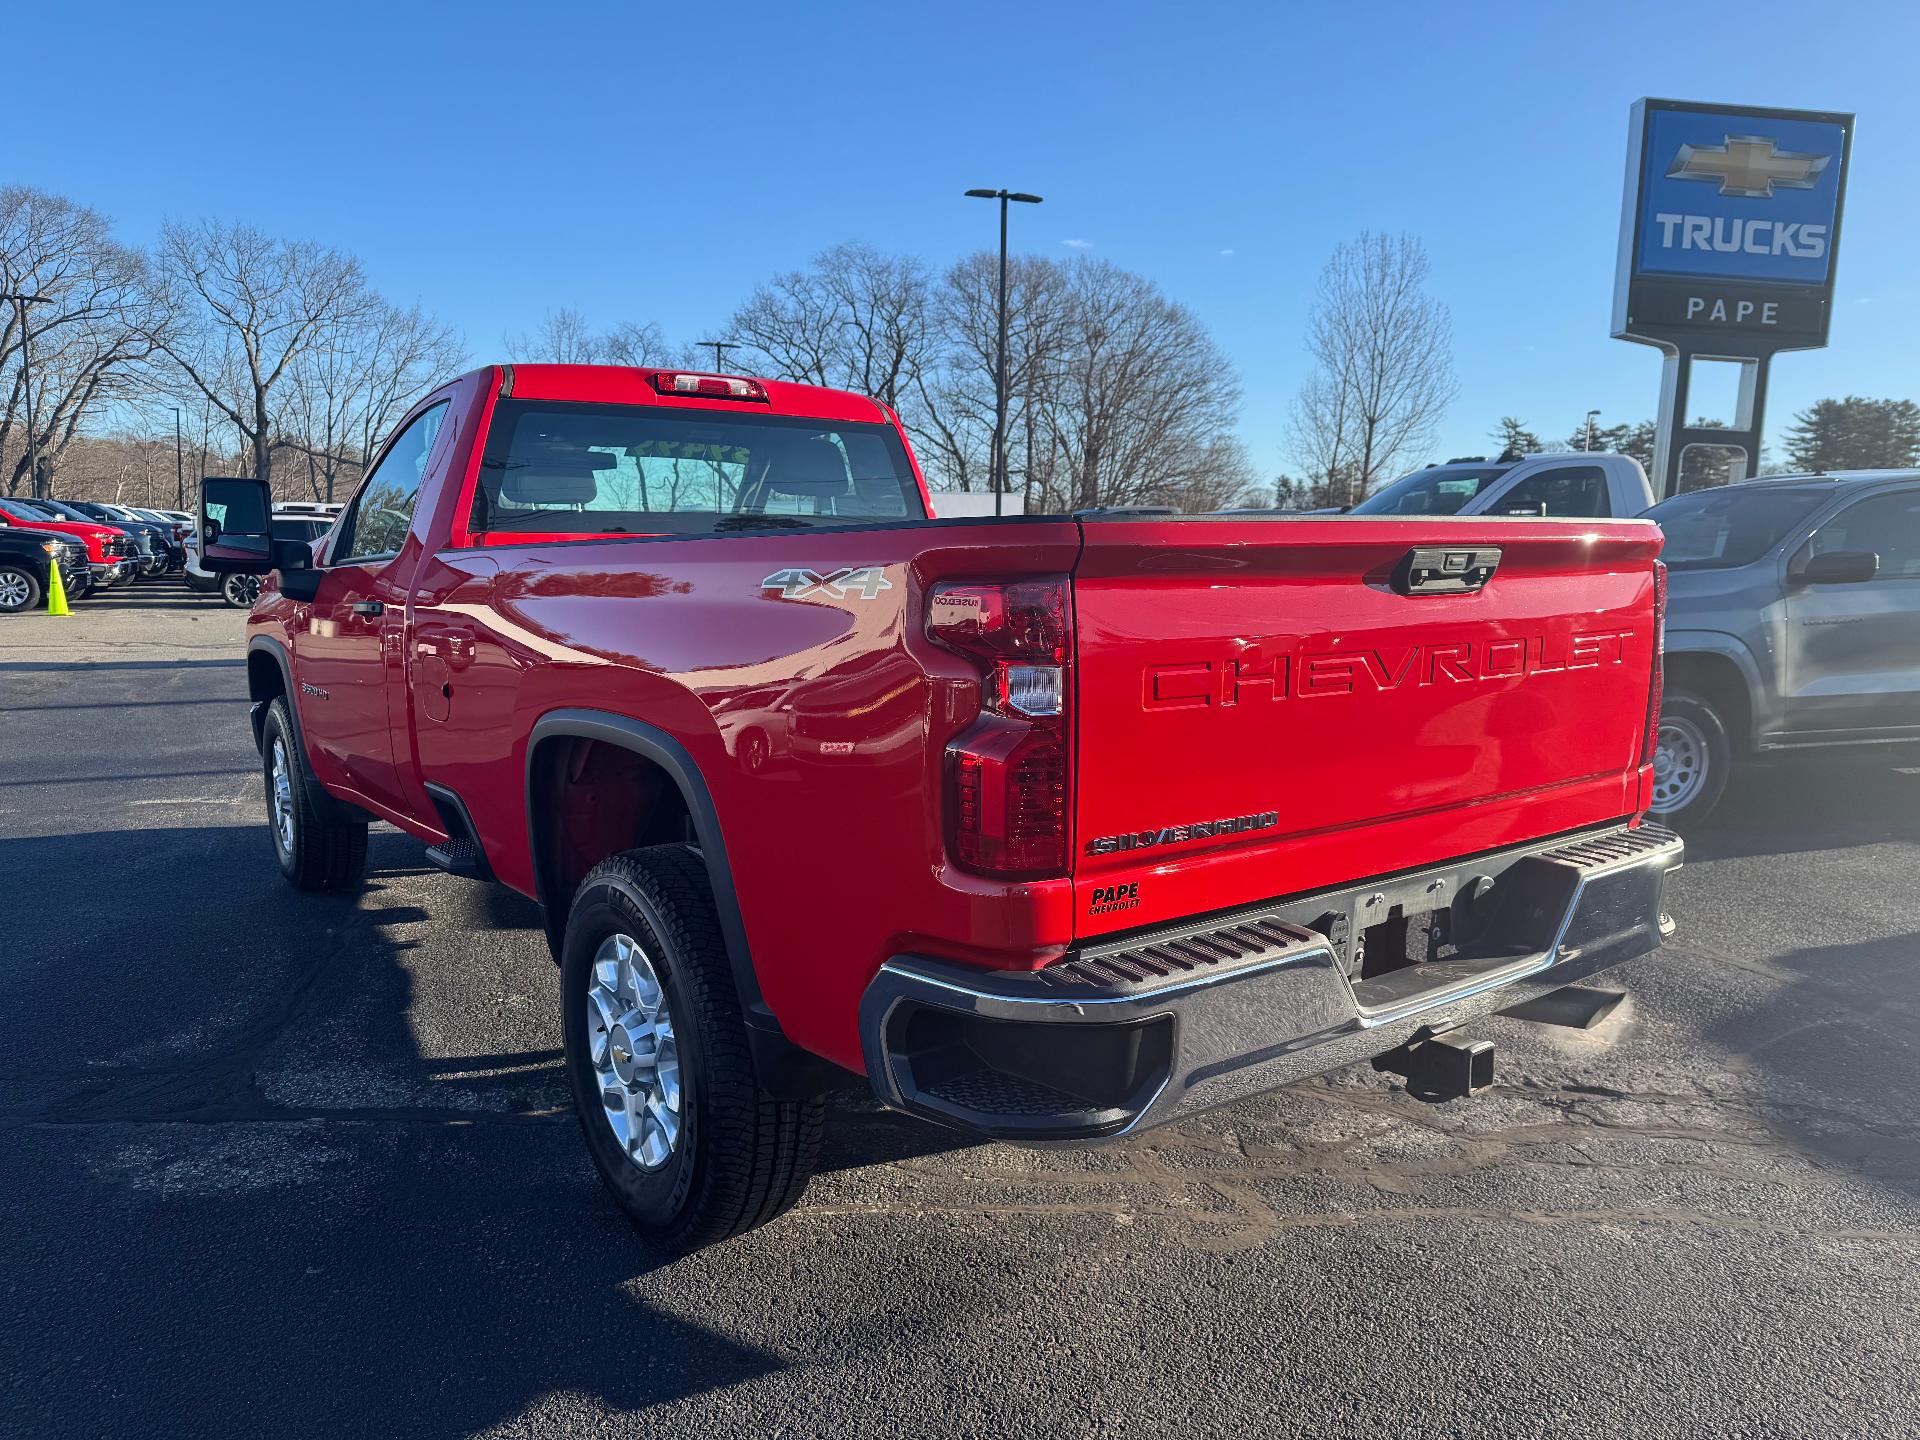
<point x="368" y="607"/>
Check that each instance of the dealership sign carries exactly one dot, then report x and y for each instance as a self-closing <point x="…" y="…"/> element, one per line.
<point x="1730" y="227"/>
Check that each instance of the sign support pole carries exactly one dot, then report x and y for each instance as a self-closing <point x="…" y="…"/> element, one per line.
<point x="1674" y="435"/>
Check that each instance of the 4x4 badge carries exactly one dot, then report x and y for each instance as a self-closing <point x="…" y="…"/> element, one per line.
<point x="866" y="582"/>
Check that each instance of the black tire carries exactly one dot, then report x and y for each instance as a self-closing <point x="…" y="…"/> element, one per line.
<point x="1694" y="761"/>
<point x="743" y="1156"/>
<point x="20" y="590"/>
<point x="325" y="853"/>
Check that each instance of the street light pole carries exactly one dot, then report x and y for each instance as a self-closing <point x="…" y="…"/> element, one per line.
<point x="179" y="465"/>
<point x="20" y="303"/>
<point x="720" y="347"/>
<point x="1590" y="417"/>
<point x="997" y="462"/>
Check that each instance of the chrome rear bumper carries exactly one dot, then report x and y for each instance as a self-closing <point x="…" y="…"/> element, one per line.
<point x="1134" y="1032"/>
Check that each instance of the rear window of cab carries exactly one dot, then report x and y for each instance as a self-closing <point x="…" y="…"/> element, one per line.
<point x="554" y="468"/>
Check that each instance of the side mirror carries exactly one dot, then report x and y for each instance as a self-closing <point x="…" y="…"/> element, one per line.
<point x="235" y="537"/>
<point x="1839" y="567"/>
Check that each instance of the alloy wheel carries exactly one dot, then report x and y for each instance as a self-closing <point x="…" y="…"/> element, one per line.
<point x="634" y="1053"/>
<point x="280" y="778"/>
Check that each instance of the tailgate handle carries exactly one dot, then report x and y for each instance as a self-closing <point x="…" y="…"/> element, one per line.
<point x="1446" y="569"/>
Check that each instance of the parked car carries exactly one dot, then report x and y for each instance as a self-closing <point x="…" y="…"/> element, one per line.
<point x="178" y="521"/>
<point x="1793" y="624"/>
<point x="112" y="555"/>
<point x="27" y="558"/>
<point x="1077" y="838"/>
<point x="165" y="543"/>
<point x="1578" y="486"/>
<point x="151" y="555"/>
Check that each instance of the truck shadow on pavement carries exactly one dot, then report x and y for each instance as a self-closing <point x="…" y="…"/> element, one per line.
<point x="255" y="1179"/>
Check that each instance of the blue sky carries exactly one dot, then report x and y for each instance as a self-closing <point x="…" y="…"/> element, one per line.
<point x="642" y="161"/>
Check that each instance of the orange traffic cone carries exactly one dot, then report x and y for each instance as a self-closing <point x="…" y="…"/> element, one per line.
<point x="56" y="590"/>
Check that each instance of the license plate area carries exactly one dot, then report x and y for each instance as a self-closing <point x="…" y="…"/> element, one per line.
<point x="1405" y="943"/>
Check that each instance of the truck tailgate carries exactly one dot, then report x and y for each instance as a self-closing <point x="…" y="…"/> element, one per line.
<point x="1260" y="711"/>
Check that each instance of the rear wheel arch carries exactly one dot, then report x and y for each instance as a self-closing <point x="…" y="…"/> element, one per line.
<point x="1718" y="680"/>
<point x="681" y="800"/>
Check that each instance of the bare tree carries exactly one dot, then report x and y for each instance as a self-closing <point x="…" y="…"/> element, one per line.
<point x="252" y="308"/>
<point x="90" y="336"/>
<point x="1383" y="348"/>
<point x="563" y="337"/>
<point x="349" y="389"/>
<point x="952" y="411"/>
<point x="856" y="320"/>
<point x="640" y="345"/>
<point x="121" y="467"/>
<point x="1139" y="407"/>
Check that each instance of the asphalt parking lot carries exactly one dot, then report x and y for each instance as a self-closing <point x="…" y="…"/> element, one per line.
<point x="278" y="1164"/>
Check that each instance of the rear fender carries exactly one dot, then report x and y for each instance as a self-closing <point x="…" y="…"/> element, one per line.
<point x="1728" y="651"/>
<point x="783" y="1067"/>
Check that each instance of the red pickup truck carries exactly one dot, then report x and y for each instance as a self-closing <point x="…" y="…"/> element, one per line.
<point x="1052" y="828"/>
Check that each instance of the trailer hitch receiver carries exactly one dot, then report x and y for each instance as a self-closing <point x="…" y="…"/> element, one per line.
<point x="1441" y="1067"/>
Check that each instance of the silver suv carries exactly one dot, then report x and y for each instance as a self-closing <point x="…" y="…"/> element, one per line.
<point x="1793" y="621"/>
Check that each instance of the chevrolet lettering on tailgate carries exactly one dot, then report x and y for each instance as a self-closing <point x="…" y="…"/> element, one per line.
<point x="1278" y="670"/>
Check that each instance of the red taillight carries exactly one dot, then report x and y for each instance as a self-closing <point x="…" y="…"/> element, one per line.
<point x="719" y="387"/>
<point x="1008" y="773"/>
<point x="1656" y="691"/>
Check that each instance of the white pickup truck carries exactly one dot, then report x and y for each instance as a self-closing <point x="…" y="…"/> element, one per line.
<point x="1577" y="486"/>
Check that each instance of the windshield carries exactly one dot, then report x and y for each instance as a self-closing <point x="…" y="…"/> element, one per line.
<point x="626" y="469"/>
<point x="64" y="511"/>
<point x="30" y="510"/>
<point x="1734" y="525"/>
<point x="1436" y="490"/>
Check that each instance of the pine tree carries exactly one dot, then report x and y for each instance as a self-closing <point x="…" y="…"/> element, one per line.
<point x="1515" y="438"/>
<point x="1855" y="434"/>
<point x="1702" y="467"/>
<point x="1634" y="440"/>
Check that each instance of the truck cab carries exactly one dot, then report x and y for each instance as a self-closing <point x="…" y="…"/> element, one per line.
<point x="1579" y="486"/>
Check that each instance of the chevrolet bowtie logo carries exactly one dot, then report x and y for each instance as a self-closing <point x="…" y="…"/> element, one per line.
<point x="1747" y="165"/>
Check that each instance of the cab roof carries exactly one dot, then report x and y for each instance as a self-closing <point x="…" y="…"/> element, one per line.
<point x="1833" y="477"/>
<point x="634" y="385"/>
